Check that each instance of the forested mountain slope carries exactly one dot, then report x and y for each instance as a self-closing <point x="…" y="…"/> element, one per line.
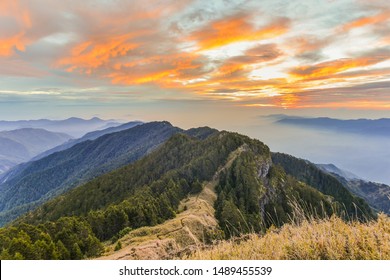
<point x="310" y="174"/>
<point x="34" y="182"/>
<point x="251" y="194"/>
<point x="377" y="195"/>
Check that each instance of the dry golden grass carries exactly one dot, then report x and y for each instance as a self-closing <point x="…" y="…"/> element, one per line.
<point x="330" y="238"/>
<point x="168" y="239"/>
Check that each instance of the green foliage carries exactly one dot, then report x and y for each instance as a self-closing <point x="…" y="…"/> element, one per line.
<point x="67" y="238"/>
<point x="239" y="192"/>
<point x="62" y="251"/>
<point x="196" y="187"/>
<point x="118" y="246"/>
<point x="250" y="199"/>
<point x="76" y="253"/>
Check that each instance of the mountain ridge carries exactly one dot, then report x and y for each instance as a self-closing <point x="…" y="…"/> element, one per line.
<point x="88" y="136"/>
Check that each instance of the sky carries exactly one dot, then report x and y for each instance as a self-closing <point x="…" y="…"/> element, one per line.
<point x="220" y="63"/>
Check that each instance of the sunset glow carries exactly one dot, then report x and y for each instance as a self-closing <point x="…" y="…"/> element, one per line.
<point x="253" y="54"/>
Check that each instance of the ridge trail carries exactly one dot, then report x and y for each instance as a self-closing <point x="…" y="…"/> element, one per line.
<point x="194" y="221"/>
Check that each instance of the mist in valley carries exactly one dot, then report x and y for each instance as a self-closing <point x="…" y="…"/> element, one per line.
<point x="366" y="156"/>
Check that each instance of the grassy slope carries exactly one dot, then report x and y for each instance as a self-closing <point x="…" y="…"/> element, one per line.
<point x="331" y="238"/>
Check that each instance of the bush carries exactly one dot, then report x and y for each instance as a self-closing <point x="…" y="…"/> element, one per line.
<point x="118" y="246"/>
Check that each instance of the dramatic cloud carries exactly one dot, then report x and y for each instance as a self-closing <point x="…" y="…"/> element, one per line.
<point x="264" y="53"/>
<point x="164" y="70"/>
<point x="93" y="54"/>
<point x="376" y="19"/>
<point x="15" y="20"/>
<point x="326" y="69"/>
<point x="237" y="28"/>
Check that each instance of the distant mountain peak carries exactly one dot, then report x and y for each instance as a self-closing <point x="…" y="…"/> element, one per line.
<point x="74" y="118"/>
<point x="331" y="168"/>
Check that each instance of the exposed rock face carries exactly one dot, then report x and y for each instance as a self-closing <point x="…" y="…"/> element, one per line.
<point x="264" y="169"/>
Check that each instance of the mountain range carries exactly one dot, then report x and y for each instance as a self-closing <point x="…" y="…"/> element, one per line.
<point x="160" y="187"/>
<point x="76" y="127"/>
<point x="34" y="182"/>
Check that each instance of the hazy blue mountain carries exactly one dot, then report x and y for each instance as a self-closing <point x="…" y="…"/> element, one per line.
<point x="13" y="149"/>
<point x="29" y="184"/>
<point x="368" y="127"/>
<point x="21" y="145"/>
<point x="333" y="169"/>
<point x="35" y="140"/>
<point x="75" y="127"/>
<point x="377" y="195"/>
<point x="89" y="136"/>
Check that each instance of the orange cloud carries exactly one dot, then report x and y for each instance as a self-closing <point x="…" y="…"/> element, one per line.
<point x="244" y="63"/>
<point x="369" y="20"/>
<point x="20" y="20"/>
<point x="8" y="45"/>
<point x="377" y="73"/>
<point x="326" y="69"/>
<point x="90" y="55"/>
<point x="124" y="78"/>
<point x="121" y="51"/>
<point x="170" y="70"/>
<point x="237" y="28"/>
